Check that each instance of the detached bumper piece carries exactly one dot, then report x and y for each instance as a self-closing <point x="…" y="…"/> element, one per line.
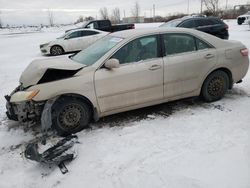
<point x="62" y="152"/>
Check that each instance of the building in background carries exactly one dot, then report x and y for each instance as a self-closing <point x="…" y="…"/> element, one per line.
<point x="133" y="19"/>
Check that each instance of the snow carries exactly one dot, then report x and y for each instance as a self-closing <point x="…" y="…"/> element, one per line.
<point x="186" y="143"/>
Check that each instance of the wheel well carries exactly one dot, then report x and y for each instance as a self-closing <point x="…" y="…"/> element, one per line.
<point x="94" y="113"/>
<point x="229" y="74"/>
<point x="58" y="46"/>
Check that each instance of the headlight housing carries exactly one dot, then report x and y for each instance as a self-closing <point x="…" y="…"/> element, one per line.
<point x="21" y="96"/>
<point x="44" y="45"/>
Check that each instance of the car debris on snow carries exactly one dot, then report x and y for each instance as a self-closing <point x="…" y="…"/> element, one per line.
<point x="61" y="152"/>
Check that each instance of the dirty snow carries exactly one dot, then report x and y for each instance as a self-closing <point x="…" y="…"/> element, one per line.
<point x="185" y="143"/>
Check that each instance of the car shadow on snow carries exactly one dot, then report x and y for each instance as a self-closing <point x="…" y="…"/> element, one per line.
<point x="166" y="109"/>
<point x="162" y="110"/>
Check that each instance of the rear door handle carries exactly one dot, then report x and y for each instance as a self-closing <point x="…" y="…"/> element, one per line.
<point x="154" y="67"/>
<point x="209" y="56"/>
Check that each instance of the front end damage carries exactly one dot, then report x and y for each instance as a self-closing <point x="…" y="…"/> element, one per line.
<point x="25" y="112"/>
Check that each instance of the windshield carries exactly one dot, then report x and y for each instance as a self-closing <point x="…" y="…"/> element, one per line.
<point x="93" y="53"/>
<point x="173" y="23"/>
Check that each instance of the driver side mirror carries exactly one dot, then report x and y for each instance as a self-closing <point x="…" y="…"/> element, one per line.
<point x="112" y="64"/>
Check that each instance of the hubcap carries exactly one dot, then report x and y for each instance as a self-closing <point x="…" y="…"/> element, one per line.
<point x="216" y="86"/>
<point x="70" y="116"/>
<point x="56" y="50"/>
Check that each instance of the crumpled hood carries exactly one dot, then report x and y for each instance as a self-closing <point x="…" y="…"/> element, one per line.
<point x="37" y="68"/>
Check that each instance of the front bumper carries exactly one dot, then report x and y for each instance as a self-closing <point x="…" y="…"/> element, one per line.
<point x="24" y="112"/>
<point x="45" y="50"/>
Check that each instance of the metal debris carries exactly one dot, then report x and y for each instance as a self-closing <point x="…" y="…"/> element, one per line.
<point x="62" y="152"/>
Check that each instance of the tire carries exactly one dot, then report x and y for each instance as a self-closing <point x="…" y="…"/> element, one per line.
<point x="215" y="86"/>
<point x="70" y="115"/>
<point x="56" y="50"/>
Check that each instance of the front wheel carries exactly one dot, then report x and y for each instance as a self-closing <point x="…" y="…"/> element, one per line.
<point x="70" y="115"/>
<point x="56" y="50"/>
<point x="215" y="86"/>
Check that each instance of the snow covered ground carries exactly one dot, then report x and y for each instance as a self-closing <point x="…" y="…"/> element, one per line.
<point x="182" y="144"/>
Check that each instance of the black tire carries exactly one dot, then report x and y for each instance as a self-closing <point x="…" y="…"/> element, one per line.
<point x="56" y="50"/>
<point x="70" y="115"/>
<point x="215" y="86"/>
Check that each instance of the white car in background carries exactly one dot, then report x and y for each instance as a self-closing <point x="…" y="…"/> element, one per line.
<point x="244" y="19"/>
<point x="72" y="41"/>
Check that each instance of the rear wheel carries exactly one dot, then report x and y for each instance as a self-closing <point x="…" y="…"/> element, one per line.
<point x="215" y="86"/>
<point x="56" y="50"/>
<point x="70" y="115"/>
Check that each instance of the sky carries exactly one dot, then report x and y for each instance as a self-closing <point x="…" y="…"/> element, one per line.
<point x="35" y="12"/>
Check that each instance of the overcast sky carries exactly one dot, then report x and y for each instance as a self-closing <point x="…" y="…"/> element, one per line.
<point x="65" y="11"/>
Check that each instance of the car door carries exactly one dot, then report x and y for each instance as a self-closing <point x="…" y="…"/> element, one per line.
<point x="72" y="42"/>
<point x="138" y="80"/>
<point x="187" y="60"/>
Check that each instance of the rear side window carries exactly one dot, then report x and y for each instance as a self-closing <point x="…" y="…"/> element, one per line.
<point x="200" y="23"/>
<point x="201" y="45"/>
<point x="75" y="34"/>
<point x="178" y="43"/>
<point x="137" y="50"/>
<point x="183" y="43"/>
<point x="88" y="33"/>
<point x="188" y="24"/>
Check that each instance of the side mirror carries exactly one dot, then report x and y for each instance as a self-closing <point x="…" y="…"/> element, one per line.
<point x="112" y="64"/>
<point x="66" y="38"/>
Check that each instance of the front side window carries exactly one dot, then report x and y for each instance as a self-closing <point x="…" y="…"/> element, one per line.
<point x="178" y="43"/>
<point x="137" y="50"/>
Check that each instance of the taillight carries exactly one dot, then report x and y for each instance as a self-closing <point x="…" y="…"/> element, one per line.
<point x="244" y="52"/>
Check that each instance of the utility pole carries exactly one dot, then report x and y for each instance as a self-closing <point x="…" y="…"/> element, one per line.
<point x="201" y="5"/>
<point x="188" y="8"/>
<point x="226" y="4"/>
<point x="153" y="12"/>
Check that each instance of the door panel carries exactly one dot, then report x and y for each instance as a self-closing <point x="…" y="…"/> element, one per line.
<point x="185" y="67"/>
<point x="138" y="80"/>
<point x="131" y="84"/>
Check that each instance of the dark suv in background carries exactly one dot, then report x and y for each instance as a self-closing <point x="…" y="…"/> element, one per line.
<point x="211" y="25"/>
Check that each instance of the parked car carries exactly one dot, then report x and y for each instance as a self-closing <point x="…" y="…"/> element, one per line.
<point x="124" y="71"/>
<point x="243" y="19"/>
<point x="105" y="25"/>
<point x="73" y="41"/>
<point x="210" y="25"/>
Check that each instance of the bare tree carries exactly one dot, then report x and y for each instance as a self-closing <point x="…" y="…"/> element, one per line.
<point x="104" y="13"/>
<point x="212" y="6"/>
<point x="135" y="11"/>
<point x="116" y="15"/>
<point x="51" y="17"/>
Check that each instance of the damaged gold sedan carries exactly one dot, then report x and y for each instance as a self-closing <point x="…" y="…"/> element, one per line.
<point x="124" y="71"/>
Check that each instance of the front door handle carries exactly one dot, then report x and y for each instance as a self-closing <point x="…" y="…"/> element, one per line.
<point x="209" y="56"/>
<point x="154" y="67"/>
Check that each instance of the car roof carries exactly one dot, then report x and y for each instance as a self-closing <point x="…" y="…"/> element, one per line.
<point x="133" y="33"/>
<point x="145" y="31"/>
<point x="85" y="29"/>
<point x="195" y="18"/>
